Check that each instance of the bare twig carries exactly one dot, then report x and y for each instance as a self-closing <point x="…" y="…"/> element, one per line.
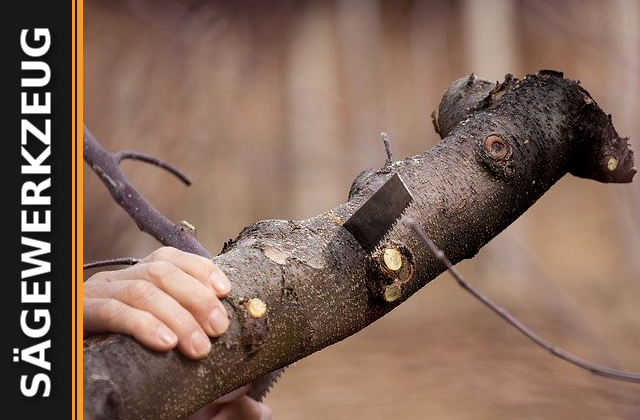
<point x="110" y="262"/>
<point x="503" y="313"/>
<point x="128" y="154"/>
<point x="147" y="218"/>
<point x="387" y="147"/>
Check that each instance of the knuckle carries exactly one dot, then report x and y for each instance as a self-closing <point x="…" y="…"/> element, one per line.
<point x="208" y="264"/>
<point x="163" y="253"/>
<point x="144" y="321"/>
<point x="202" y="306"/>
<point x="139" y="290"/>
<point x="159" y="270"/>
<point x="206" y="299"/>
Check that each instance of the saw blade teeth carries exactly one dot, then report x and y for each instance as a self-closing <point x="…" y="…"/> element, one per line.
<point x="262" y="386"/>
<point x="378" y="214"/>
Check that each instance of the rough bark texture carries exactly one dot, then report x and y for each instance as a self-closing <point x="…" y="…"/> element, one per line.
<point x="503" y="146"/>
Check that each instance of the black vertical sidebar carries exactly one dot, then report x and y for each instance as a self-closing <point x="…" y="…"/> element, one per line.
<point x="36" y="152"/>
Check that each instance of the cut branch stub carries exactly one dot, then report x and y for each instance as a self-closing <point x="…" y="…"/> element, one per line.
<point x="606" y="156"/>
<point x="255" y="325"/>
<point x="317" y="286"/>
<point x="392" y="269"/>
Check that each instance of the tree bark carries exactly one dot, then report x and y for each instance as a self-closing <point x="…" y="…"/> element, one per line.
<point x="504" y="145"/>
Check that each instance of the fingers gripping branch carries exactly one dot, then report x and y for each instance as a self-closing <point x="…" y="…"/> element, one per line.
<point x="147" y="218"/>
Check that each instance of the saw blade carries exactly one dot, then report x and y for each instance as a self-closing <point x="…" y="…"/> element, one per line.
<point x="261" y="387"/>
<point x="371" y="222"/>
<point x="368" y="225"/>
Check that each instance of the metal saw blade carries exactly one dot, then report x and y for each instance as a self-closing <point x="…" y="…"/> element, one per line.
<point x="368" y="225"/>
<point x="377" y="215"/>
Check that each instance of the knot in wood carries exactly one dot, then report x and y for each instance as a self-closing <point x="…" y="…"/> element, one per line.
<point x="612" y="163"/>
<point x="496" y="152"/>
<point x="392" y="259"/>
<point x="256" y="308"/>
<point x="496" y="147"/>
<point x="392" y="269"/>
<point x="391" y="293"/>
<point x="254" y="324"/>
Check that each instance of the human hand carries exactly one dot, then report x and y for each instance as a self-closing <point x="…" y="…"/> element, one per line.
<point x="169" y="298"/>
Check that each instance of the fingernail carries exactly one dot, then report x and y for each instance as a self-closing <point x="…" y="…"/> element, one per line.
<point x="220" y="282"/>
<point x="218" y="320"/>
<point x="167" y="336"/>
<point x="200" y="343"/>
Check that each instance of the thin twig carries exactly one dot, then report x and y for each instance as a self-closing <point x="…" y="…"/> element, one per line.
<point x="129" y="154"/>
<point x="503" y="313"/>
<point x="147" y="218"/>
<point x="109" y="262"/>
<point x="387" y="147"/>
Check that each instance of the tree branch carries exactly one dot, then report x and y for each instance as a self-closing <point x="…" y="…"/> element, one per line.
<point x="504" y="145"/>
<point x="147" y="218"/>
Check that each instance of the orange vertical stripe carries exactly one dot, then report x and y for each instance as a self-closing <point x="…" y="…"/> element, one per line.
<point x="78" y="203"/>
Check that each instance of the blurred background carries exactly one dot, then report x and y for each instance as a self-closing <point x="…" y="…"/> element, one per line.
<point x="273" y="108"/>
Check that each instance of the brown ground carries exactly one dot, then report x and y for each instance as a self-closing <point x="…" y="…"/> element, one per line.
<point x="273" y="110"/>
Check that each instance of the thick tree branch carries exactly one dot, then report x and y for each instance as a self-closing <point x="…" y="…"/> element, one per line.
<point x="504" y="146"/>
